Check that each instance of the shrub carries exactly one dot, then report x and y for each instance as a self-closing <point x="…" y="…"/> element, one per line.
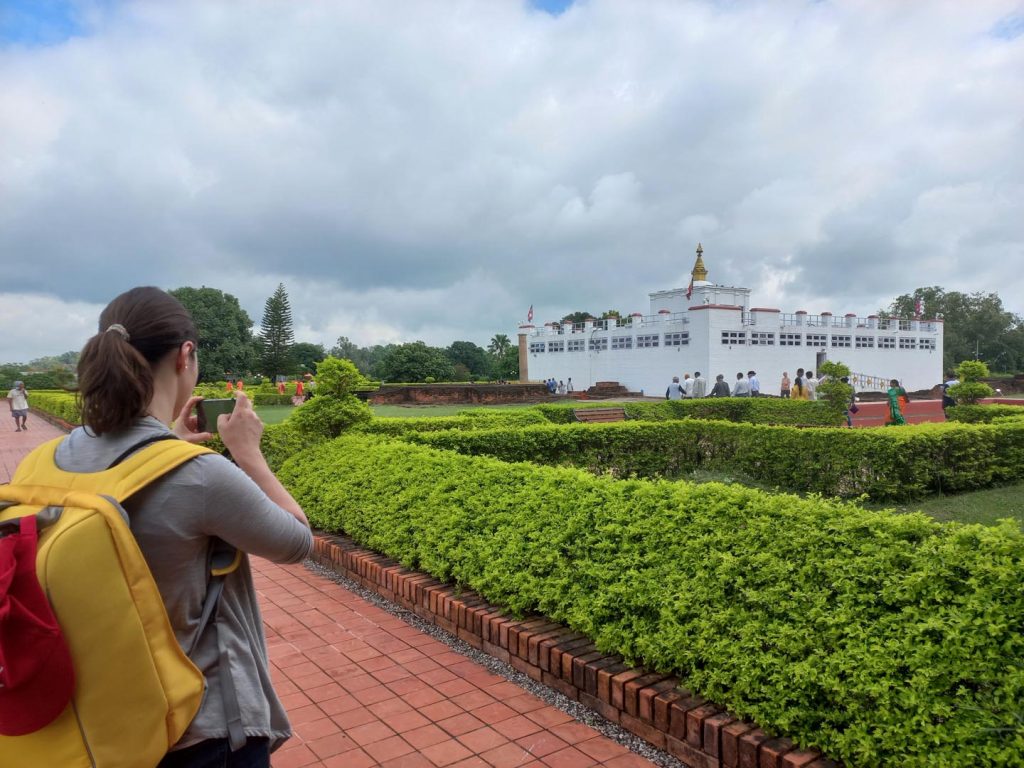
<point x="327" y="416"/>
<point x="338" y="377"/>
<point x="885" y="464"/>
<point x="63" y="405"/>
<point x="970" y="389"/>
<point x="880" y="639"/>
<point x="271" y="398"/>
<point x="400" y="426"/>
<point x="832" y="390"/>
<point x="984" y="414"/>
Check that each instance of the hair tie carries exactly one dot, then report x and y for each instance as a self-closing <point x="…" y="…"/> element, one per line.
<point x="119" y="329"/>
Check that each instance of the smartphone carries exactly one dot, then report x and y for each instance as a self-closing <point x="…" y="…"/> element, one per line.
<point x="207" y="412"/>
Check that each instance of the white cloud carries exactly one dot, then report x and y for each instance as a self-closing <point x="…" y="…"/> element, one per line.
<point x="429" y="170"/>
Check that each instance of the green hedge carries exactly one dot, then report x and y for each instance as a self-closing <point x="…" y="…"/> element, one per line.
<point x="880" y="639"/>
<point x="63" y="405"/>
<point x="476" y="420"/>
<point x="984" y="414"/>
<point x="884" y="463"/>
<point x="752" y="410"/>
<point x="271" y="398"/>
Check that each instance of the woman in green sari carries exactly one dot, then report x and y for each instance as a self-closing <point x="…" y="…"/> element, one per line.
<point x="897" y="399"/>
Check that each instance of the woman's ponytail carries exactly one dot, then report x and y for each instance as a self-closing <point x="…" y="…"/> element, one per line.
<point x="115" y="371"/>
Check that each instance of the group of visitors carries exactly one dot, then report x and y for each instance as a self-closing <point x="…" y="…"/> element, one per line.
<point x="558" y="387"/>
<point x="746" y="386"/>
<point x="803" y="387"/>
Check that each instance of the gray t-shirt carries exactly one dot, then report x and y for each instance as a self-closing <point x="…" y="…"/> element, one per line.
<point x="174" y="519"/>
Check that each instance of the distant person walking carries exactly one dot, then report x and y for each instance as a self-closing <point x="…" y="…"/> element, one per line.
<point x="784" y="385"/>
<point x="568" y="385"/>
<point x="700" y="386"/>
<point x="687" y="386"/>
<point x="742" y="386"/>
<point x="755" y="384"/>
<point x="674" y="390"/>
<point x="851" y="407"/>
<point x="18" y="399"/>
<point x="721" y="388"/>
<point x="951" y="380"/>
<point x="897" y="402"/>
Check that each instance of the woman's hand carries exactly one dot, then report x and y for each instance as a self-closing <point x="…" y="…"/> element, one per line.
<point x="241" y="429"/>
<point x="186" y="426"/>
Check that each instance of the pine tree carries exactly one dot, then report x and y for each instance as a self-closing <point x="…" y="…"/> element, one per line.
<point x="276" y="335"/>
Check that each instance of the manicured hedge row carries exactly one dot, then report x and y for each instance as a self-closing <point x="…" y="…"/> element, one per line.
<point x="982" y="413"/>
<point x="271" y="398"/>
<point x="478" y="420"/>
<point x="63" y="405"/>
<point x="884" y="463"/>
<point x="753" y="410"/>
<point x="881" y="639"/>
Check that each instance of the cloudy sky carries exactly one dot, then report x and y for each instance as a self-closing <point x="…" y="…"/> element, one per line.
<point x="428" y="169"/>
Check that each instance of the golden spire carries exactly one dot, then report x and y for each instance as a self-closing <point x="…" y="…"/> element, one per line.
<point x="699" y="272"/>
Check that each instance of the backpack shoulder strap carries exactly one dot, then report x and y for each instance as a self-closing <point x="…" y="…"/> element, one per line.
<point x="120" y="481"/>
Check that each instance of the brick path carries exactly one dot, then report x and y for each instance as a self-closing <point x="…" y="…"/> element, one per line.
<point x="363" y="688"/>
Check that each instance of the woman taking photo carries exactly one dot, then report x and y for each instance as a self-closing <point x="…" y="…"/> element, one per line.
<point x="136" y="378"/>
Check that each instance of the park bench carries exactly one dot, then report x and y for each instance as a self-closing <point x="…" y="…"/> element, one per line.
<point x="599" y="414"/>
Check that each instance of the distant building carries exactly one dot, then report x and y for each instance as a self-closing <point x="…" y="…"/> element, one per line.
<point x="713" y="329"/>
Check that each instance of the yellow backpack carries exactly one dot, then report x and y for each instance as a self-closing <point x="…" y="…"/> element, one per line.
<point x="136" y="691"/>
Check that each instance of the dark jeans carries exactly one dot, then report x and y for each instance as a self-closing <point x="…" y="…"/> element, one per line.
<point x="215" y="753"/>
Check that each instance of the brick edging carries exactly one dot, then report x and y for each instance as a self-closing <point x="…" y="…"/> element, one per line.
<point x="655" y="707"/>
<point x="50" y="419"/>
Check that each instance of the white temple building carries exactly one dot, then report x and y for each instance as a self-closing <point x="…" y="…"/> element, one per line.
<point x="713" y="329"/>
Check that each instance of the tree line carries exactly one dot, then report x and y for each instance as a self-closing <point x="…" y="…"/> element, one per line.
<point x="976" y="327"/>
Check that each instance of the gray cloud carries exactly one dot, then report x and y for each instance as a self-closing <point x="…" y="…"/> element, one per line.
<point x="429" y="170"/>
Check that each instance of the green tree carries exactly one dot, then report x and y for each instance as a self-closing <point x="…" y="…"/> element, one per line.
<point x="577" y="317"/>
<point x="226" y="342"/>
<point x="276" y="335"/>
<point x="365" y="358"/>
<point x="975" y="326"/>
<point x="413" y="363"/>
<point x="307" y="355"/>
<point x="345" y="348"/>
<point x="506" y="366"/>
<point x="499" y="343"/>
<point x="471" y="356"/>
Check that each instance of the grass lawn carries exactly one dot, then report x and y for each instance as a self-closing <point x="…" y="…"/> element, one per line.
<point x="987" y="506"/>
<point x="273" y="414"/>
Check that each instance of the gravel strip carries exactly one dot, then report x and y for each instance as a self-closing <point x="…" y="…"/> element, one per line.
<point x="548" y="695"/>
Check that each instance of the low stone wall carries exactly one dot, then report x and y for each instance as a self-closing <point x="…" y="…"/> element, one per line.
<point x="475" y="394"/>
<point x="655" y="707"/>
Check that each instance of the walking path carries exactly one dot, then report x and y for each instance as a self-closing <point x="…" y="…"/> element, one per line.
<point x="363" y="688"/>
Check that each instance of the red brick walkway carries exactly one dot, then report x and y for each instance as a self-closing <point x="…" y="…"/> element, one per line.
<point x="364" y="688"/>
